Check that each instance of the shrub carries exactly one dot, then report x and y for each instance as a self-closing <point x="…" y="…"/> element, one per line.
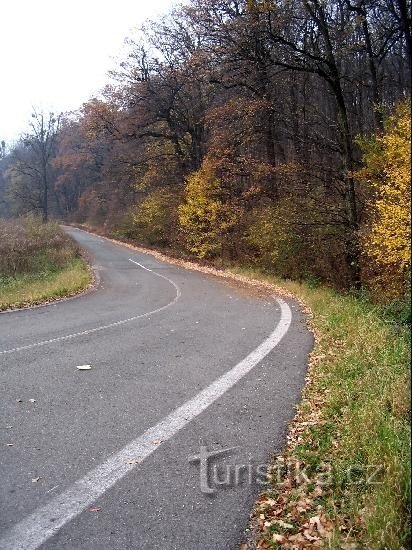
<point x="386" y="174"/>
<point x="280" y="243"/>
<point x="154" y="221"/>
<point x="206" y="217"/>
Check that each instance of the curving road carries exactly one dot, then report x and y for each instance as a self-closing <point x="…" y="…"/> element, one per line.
<point x="183" y="364"/>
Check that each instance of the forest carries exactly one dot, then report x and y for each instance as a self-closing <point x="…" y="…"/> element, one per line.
<point x="267" y="132"/>
<point x="267" y="142"/>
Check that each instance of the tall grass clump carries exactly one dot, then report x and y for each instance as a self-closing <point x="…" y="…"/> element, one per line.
<point x="38" y="262"/>
<point x="28" y="246"/>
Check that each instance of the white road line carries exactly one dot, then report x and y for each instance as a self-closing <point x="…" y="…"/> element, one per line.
<point x="34" y="530"/>
<point x="104" y="327"/>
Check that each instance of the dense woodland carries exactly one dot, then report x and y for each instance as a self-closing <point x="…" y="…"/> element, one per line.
<point x="273" y="132"/>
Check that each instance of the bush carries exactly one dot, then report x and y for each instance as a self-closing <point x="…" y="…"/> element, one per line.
<point x="154" y="221"/>
<point x="280" y="243"/>
<point x="387" y="236"/>
<point x="271" y="237"/>
<point x="207" y="218"/>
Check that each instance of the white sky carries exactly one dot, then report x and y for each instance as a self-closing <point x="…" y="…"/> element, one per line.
<point x="55" y="54"/>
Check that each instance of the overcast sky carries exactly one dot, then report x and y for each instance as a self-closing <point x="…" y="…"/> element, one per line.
<point x="55" y="54"/>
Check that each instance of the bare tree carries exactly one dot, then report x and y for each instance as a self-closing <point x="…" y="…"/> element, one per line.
<point x="41" y="142"/>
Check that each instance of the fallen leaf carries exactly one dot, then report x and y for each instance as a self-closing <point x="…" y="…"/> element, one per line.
<point x="307" y="535"/>
<point x="299" y="538"/>
<point x="83" y="367"/>
<point x="278" y="538"/>
<point x="35" y="480"/>
<point x="284" y="524"/>
<point x="315" y="520"/>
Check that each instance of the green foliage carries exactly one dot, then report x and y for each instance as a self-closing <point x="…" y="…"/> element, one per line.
<point x="286" y="238"/>
<point x="398" y="311"/>
<point x="272" y="237"/>
<point x="207" y="218"/>
<point x="355" y="413"/>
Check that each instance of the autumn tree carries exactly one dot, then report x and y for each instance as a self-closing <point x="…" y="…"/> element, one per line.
<point x="4" y="163"/>
<point x="321" y="71"/>
<point x="386" y="174"/>
<point x="154" y="219"/>
<point x="81" y="152"/>
<point x="206" y="216"/>
<point x="239" y="119"/>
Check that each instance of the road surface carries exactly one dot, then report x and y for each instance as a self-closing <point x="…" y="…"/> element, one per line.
<point x="183" y="364"/>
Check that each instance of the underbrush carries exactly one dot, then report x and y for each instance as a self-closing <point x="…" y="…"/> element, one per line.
<point x="38" y="262"/>
<point x="30" y="246"/>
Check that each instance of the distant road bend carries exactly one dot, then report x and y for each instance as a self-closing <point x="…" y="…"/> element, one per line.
<point x="183" y="363"/>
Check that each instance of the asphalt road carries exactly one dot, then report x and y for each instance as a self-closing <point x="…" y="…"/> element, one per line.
<point x="181" y="362"/>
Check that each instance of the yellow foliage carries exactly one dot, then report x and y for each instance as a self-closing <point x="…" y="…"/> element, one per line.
<point x="280" y="242"/>
<point x="159" y="168"/>
<point x="270" y="232"/>
<point x="206" y="219"/>
<point x="387" y="238"/>
<point x="154" y="220"/>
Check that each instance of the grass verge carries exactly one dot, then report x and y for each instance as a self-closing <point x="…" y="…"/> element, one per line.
<point x="344" y="478"/>
<point x="30" y="289"/>
<point x="38" y="263"/>
<point x="343" y="481"/>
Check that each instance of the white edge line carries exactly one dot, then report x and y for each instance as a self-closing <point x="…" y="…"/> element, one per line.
<point x="38" y="527"/>
<point x="104" y="327"/>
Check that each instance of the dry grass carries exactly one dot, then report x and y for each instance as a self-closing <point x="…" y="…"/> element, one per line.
<point x="38" y="263"/>
<point x="29" y="246"/>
